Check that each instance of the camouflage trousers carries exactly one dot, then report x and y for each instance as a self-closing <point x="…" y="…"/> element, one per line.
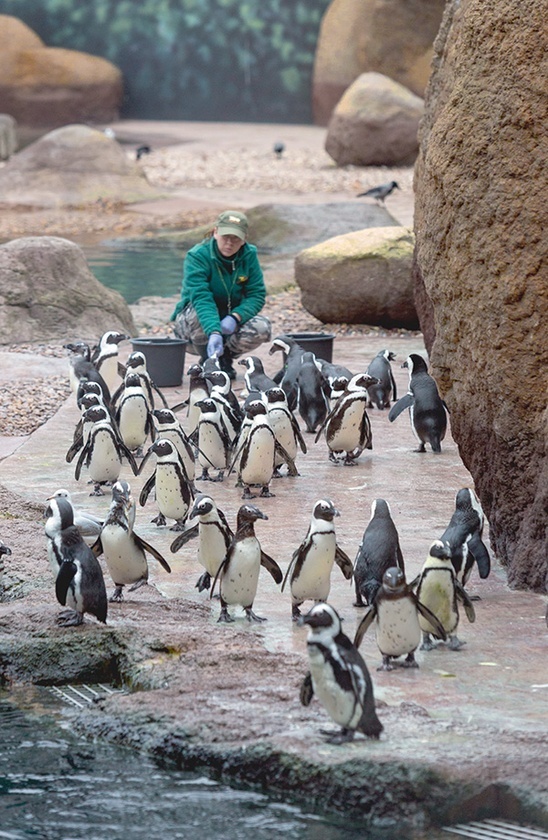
<point x="254" y="332"/>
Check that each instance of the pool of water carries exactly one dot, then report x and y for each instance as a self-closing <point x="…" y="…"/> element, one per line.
<point x="55" y="785"/>
<point x="137" y="267"/>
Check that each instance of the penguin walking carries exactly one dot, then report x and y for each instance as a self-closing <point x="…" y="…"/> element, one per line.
<point x="199" y="388"/>
<point x="226" y="399"/>
<point x="338" y="377"/>
<point x="133" y="415"/>
<point x="439" y="590"/>
<point x="79" y="583"/>
<point x="238" y="574"/>
<point x="256" y="455"/>
<point x="255" y="377"/>
<point x="174" y="493"/>
<point x="312" y="393"/>
<point x="347" y="426"/>
<point x="396" y="609"/>
<point x="214" y="538"/>
<point x="169" y="427"/>
<point x="103" y="451"/>
<point x="285" y="427"/>
<point x="287" y="377"/>
<point x="339" y="677"/>
<point x="212" y="439"/>
<point x="87" y="523"/>
<point x="379" y="550"/>
<point x="137" y="363"/>
<point x="91" y="396"/>
<point x="426" y="408"/>
<point x="309" y="572"/>
<point x="124" y="550"/>
<point x="106" y="359"/>
<point x="384" y="390"/>
<point x="464" y="534"/>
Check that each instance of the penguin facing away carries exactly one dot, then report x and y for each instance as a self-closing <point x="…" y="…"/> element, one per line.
<point x="312" y="393"/>
<point x="124" y="550"/>
<point x="79" y="584"/>
<point x="428" y="412"/>
<point x="215" y="536"/>
<point x="384" y="390"/>
<point x="287" y="378"/>
<point x="339" y="677"/>
<point x="309" y="572"/>
<point x="439" y="591"/>
<point x="464" y="534"/>
<point x="238" y="574"/>
<point x="379" y="550"/>
<point x="347" y="427"/>
<point x="398" y="632"/>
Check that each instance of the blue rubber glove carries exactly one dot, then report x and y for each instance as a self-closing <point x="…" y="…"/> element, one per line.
<point x="229" y="325"/>
<point x="215" y="345"/>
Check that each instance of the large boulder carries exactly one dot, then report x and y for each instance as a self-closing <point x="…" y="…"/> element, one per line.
<point x="375" y="123"/>
<point x="362" y="277"/>
<point x="48" y="86"/>
<point x="47" y="292"/>
<point x="73" y="165"/>
<point x="392" y="37"/>
<point x="480" y="221"/>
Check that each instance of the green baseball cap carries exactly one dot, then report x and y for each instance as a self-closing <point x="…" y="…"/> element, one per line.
<point x="232" y="223"/>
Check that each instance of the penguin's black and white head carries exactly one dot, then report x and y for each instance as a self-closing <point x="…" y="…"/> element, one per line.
<point x="79" y="348"/>
<point x="440" y="550"/>
<point x="219" y="379"/>
<point x="361" y="381"/>
<point x="163" y="448"/>
<point x="249" y="513"/>
<point x="59" y="515"/>
<point x="132" y="380"/>
<point x="325" y="509"/>
<point x="253" y="364"/>
<point x="380" y="508"/>
<point x="91" y="387"/>
<point x="388" y="355"/>
<point x="415" y="364"/>
<point x="393" y="581"/>
<point x="121" y="493"/>
<point x="88" y="400"/>
<point x="275" y="395"/>
<point x="137" y="360"/>
<point x="207" y="406"/>
<point x="95" y="414"/>
<point x="202" y="504"/>
<point x="339" y="383"/>
<point x="467" y="500"/>
<point x="4" y="549"/>
<point x="283" y="343"/>
<point x="164" y="416"/>
<point x="255" y="408"/>
<point x="323" y="621"/>
<point x="112" y="337"/>
<point x="195" y="370"/>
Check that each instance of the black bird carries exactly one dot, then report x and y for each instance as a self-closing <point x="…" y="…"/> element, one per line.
<point x="142" y="150"/>
<point x="278" y="149"/>
<point x="381" y="192"/>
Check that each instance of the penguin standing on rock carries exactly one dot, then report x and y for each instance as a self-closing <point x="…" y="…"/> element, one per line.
<point x="464" y="534"/>
<point x="439" y="590"/>
<point x="384" y="389"/>
<point x="174" y="493"/>
<point x="379" y="550"/>
<point x="214" y="534"/>
<point x="426" y="408"/>
<point x="79" y="584"/>
<point x="347" y="426"/>
<point x="398" y="632"/>
<point x="309" y="572"/>
<point x="238" y="574"/>
<point x="339" y="677"/>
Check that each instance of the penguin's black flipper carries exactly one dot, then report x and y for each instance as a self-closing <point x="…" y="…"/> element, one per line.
<point x="364" y="625"/>
<point x="415" y="582"/>
<point x="179" y="406"/>
<point x="221" y="568"/>
<point x="151" y="550"/>
<point x="271" y="566"/>
<point x="465" y="601"/>
<point x="129" y="455"/>
<point x="306" y="692"/>
<point x="74" y="448"/>
<point x="184" y="537"/>
<point x="67" y="573"/>
<point x="404" y="402"/>
<point x="438" y="630"/>
<point x="146" y="489"/>
<point x="476" y="546"/>
<point x="97" y="547"/>
<point x="159" y="394"/>
<point x="80" y="461"/>
<point x="298" y="553"/>
<point x="283" y="453"/>
<point x="344" y="563"/>
<point x="325" y="422"/>
<point x="394" y="389"/>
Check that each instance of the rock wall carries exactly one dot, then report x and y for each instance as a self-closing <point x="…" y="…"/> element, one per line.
<point x="480" y="271"/>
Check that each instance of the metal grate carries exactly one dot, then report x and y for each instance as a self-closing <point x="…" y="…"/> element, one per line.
<point x="496" y="830"/>
<point x="82" y="695"/>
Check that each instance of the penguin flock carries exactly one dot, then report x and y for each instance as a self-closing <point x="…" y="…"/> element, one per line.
<point x="128" y="434"/>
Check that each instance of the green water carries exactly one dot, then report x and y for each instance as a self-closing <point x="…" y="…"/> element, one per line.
<point x="137" y="268"/>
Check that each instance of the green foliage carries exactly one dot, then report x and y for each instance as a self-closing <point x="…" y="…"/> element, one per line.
<point x="193" y="59"/>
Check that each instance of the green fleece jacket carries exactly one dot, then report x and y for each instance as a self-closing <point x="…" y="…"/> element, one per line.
<point x="216" y="286"/>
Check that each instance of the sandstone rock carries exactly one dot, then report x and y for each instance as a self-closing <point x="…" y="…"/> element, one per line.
<point x="480" y="221"/>
<point x="375" y="123"/>
<point x="49" y="86"/>
<point x="73" y="165"/>
<point x="47" y="292"/>
<point x="392" y="37"/>
<point x="360" y="278"/>
<point x="8" y="136"/>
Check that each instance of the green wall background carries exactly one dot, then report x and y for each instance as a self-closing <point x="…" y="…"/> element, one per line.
<point x="237" y="60"/>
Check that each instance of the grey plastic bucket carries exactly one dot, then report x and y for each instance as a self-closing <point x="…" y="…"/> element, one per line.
<point x="165" y="358"/>
<point x="321" y="344"/>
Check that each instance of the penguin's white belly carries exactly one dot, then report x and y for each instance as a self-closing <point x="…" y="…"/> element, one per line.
<point x="74" y="599"/>
<point x="283" y="431"/>
<point x="109" y="372"/>
<point x="398" y="629"/>
<point x="437" y="593"/>
<point x="258" y="466"/>
<point x="210" y="443"/>
<point x="212" y="548"/>
<point x="184" y="455"/>
<point x="168" y="492"/>
<point x="347" y="436"/>
<point x="133" y="421"/>
<point x="126" y="563"/>
<point x="105" y="463"/>
<point x="314" y="580"/>
<point x="342" y="706"/>
<point x="239" y="582"/>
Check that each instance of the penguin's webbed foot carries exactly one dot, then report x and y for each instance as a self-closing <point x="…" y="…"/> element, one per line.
<point x="265" y="493"/>
<point x="454" y="643"/>
<point x="475" y="597"/>
<point x="350" y="460"/>
<point x="219" y="477"/>
<point x="253" y="617"/>
<point x="97" y="490"/>
<point x="224" y="617"/>
<point x="138" y="584"/>
<point x="179" y="525"/>
<point x="421" y="448"/>
<point x="427" y="643"/>
<point x="277" y="473"/>
<point x="203" y="582"/>
<point x="204" y="476"/>
<point x="70" y="618"/>
<point x="247" y="494"/>
<point x="386" y="664"/>
<point x="333" y="458"/>
<point x="410" y="661"/>
<point x="342" y="736"/>
<point x="159" y="520"/>
<point x="117" y="596"/>
<point x="295" y="612"/>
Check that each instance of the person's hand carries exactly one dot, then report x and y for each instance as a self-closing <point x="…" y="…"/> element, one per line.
<point x="215" y="345"/>
<point x="229" y="325"/>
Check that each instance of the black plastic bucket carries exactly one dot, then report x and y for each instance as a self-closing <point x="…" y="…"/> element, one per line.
<point x="165" y="359"/>
<point x="321" y="344"/>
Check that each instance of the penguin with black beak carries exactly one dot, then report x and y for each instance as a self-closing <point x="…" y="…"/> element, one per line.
<point x="214" y="535"/>
<point x="103" y="450"/>
<point x="427" y="410"/>
<point x="379" y="550"/>
<point x="174" y="493"/>
<point x="384" y="390"/>
<point x="347" y="426"/>
<point x="339" y="677"/>
<point x="464" y="534"/>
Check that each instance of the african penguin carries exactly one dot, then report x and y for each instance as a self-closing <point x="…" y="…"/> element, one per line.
<point x="312" y="393"/>
<point x="378" y="551"/>
<point x="439" y="591"/>
<point x="238" y="574"/>
<point x="464" y="537"/>
<point x="309" y="572"/>
<point x="285" y="427"/>
<point x="396" y="609"/>
<point x="83" y="370"/>
<point x="174" y="493"/>
<point x="137" y="363"/>
<point x="212" y="439"/>
<point x="427" y="410"/>
<point x="287" y="378"/>
<point x="103" y="451"/>
<point x="168" y="426"/>
<point x="226" y="399"/>
<point x="255" y="377"/>
<point x="339" y="677"/>
<point x="214" y="534"/>
<point x="105" y="357"/>
<point x="347" y="427"/>
<point x="88" y="524"/>
<point x="384" y="390"/>
<point x="199" y="388"/>
<point x="133" y="415"/>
